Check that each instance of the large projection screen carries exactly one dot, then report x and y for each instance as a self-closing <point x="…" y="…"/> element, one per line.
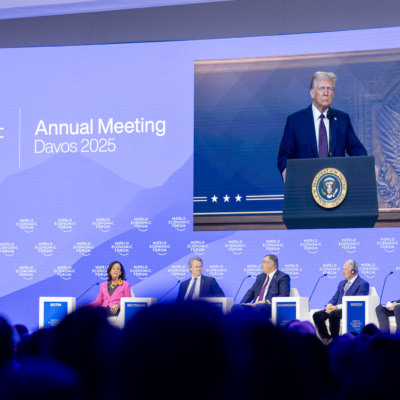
<point x="97" y="148"/>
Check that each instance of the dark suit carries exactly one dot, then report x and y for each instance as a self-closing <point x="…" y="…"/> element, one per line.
<point x="383" y="315"/>
<point x="208" y="288"/>
<point x="299" y="139"/>
<point x="359" y="287"/>
<point x="278" y="287"/>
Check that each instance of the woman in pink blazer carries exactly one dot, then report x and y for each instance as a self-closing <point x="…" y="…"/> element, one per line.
<point x="111" y="291"/>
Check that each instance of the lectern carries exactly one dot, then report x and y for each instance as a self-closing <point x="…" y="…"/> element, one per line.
<point x="337" y="192"/>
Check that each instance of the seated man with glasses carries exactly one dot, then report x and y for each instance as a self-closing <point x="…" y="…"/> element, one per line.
<point x="270" y="283"/>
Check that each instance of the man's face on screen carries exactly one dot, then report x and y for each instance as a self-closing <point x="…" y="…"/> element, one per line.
<point x="196" y="269"/>
<point x="322" y="94"/>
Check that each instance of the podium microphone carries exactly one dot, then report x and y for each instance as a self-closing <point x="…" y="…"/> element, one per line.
<point x="248" y="276"/>
<point x="170" y="290"/>
<point x="315" y="288"/>
<point x="94" y="284"/>
<point x="384" y="283"/>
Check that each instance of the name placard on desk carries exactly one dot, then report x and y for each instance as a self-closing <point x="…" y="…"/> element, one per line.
<point x="130" y="306"/>
<point x="355" y="316"/>
<point x="285" y="312"/>
<point x="52" y="310"/>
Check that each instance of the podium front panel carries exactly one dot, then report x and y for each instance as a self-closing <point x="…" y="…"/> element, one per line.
<point x="130" y="306"/>
<point x="285" y="309"/>
<point x="285" y="312"/>
<point x="52" y="310"/>
<point x="359" y="208"/>
<point x="355" y="316"/>
<point x="358" y="311"/>
<point x="223" y="303"/>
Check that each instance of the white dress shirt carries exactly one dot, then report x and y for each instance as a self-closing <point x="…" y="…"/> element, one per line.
<point x="196" y="293"/>
<point x="317" y="121"/>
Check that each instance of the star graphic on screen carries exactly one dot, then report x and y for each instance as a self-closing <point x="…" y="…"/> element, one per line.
<point x="214" y="198"/>
<point x="238" y="197"/>
<point x="226" y="199"/>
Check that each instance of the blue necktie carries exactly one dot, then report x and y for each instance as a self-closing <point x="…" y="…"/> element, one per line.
<point x="346" y="287"/>
<point x="191" y="292"/>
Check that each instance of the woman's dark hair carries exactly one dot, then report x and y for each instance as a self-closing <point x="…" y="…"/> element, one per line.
<point x="109" y="270"/>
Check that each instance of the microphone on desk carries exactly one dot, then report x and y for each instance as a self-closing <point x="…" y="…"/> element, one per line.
<point x="384" y="283"/>
<point x="248" y="276"/>
<point x="170" y="290"/>
<point x="94" y="284"/>
<point x="309" y="299"/>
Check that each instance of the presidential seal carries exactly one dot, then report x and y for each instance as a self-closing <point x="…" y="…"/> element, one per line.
<point x="329" y="188"/>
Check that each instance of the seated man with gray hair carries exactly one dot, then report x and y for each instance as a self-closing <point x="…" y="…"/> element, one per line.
<point x="198" y="285"/>
<point x="352" y="285"/>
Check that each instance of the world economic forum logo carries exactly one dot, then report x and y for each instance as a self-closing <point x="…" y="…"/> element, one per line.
<point x="329" y="188"/>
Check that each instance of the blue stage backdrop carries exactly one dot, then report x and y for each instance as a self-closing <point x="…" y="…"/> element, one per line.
<point x="96" y="146"/>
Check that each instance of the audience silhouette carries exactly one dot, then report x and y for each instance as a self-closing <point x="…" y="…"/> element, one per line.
<point x="191" y="351"/>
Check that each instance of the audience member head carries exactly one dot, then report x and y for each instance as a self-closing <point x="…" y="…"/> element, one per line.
<point x="85" y="341"/>
<point x="182" y="340"/>
<point x="6" y="344"/>
<point x="303" y="327"/>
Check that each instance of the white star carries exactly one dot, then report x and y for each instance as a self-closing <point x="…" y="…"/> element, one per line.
<point x="214" y="198"/>
<point x="226" y="199"/>
<point x="238" y="197"/>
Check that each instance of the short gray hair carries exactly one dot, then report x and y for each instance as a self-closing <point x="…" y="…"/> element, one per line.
<point x="274" y="259"/>
<point x="323" y="75"/>
<point x="195" y="259"/>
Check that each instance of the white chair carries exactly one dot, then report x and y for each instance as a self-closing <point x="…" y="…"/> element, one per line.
<point x="372" y="291"/>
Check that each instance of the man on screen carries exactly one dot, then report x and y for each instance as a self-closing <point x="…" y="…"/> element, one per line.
<point x="198" y="285"/>
<point x="270" y="283"/>
<point x="352" y="285"/>
<point x="319" y="131"/>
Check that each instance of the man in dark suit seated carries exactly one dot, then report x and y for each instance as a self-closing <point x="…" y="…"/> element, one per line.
<point x="271" y="283"/>
<point x="383" y="313"/>
<point x="198" y="285"/>
<point x="319" y="131"/>
<point x="352" y="285"/>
